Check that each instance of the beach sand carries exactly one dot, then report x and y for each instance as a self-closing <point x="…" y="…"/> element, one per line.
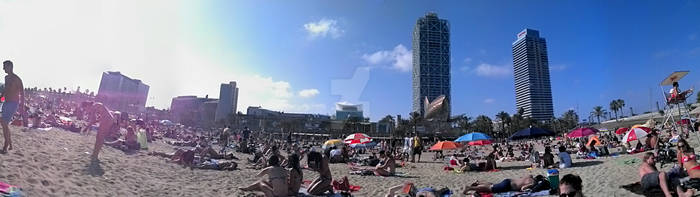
<point x="56" y="163"/>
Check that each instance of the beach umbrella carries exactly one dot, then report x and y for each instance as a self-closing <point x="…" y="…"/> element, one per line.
<point x="365" y="145"/>
<point x="581" y="132"/>
<point x="620" y="131"/>
<point x="531" y="132"/>
<point x="445" y="145"/>
<point x="358" y="138"/>
<point x="475" y="136"/>
<point x="333" y="143"/>
<point x="480" y="142"/>
<point x="635" y="134"/>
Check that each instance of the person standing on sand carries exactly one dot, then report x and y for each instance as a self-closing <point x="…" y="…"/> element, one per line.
<point x="106" y="121"/>
<point x="13" y="89"/>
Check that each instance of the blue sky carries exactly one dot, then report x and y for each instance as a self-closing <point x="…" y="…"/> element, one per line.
<point x="597" y="51"/>
<point x="286" y="55"/>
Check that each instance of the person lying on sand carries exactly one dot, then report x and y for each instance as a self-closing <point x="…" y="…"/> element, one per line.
<point x="652" y="179"/>
<point x="411" y="190"/>
<point x="105" y="119"/>
<point x="276" y="183"/>
<point x="507" y="185"/>
<point x="180" y="156"/>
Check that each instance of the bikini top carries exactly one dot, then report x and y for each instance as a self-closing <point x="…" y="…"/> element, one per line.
<point x="687" y="158"/>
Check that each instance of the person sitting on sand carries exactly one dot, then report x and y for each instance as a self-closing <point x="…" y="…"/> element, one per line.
<point x="651" y="178"/>
<point x="564" y="158"/>
<point x="387" y="165"/>
<point x="296" y="176"/>
<point x="128" y="144"/>
<point x="571" y="186"/>
<point x="319" y="163"/>
<point x="106" y="121"/>
<point x="547" y="158"/>
<point x="689" y="162"/>
<point x="276" y="183"/>
<point x="491" y="161"/>
<point x="507" y="185"/>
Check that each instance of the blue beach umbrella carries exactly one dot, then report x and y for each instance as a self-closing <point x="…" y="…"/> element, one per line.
<point x="476" y="136"/>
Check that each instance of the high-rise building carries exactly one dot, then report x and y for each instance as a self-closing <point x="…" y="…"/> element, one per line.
<point x="533" y="91"/>
<point x="193" y="111"/>
<point x="431" y="61"/>
<point x="119" y="92"/>
<point x="228" y="101"/>
<point x="344" y="111"/>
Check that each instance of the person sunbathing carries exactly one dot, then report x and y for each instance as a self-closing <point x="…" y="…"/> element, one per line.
<point x="387" y="165"/>
<point x="276" y="183"/>
<point x="690" y="164"/>
<point x="507" y="185"/>
<point x="651" y="178"/>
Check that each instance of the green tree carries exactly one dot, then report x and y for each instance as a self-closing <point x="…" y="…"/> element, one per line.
<point x="620" y="105"/>
<point x="483" y="124"/>
<point x="504" y="117"/>
<point x="614" y="106"/>
<point x="598" y="111"/>
<point x="464" y="122"/>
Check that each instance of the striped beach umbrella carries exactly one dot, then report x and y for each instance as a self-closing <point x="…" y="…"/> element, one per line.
<point x="636" y="134"/>
<point x="357" y="138"/>
<point x="620" y="131"/>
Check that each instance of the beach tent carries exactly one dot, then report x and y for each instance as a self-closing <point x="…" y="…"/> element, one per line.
<point x="475" y="136"/>
<point x="445" y="145"/>
<point x="581" y="132"/>
<point x="531" y="132"/>
<point x="593" y="139"/>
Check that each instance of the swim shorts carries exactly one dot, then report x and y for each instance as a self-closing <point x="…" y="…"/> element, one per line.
<point x="503" y="186"/>
<point x="9" y="109"/>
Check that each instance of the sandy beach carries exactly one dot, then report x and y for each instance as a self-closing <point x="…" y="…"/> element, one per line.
<point x="56" y="163"/>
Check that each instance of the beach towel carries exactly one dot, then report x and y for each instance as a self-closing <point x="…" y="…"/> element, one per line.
<point x="519" y="194"/>
<point x="304" y="193"/>
<point x="7" y="190"/>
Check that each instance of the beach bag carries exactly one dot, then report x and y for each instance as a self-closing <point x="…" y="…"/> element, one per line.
<point x="541" y="184"/>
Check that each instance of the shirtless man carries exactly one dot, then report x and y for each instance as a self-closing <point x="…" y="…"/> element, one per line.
<point x="106" y="121"/>
<point x="651" y="178"/>
<point x="13" y="89"/>
<point x="506" y="185"/>
<point x="276" y="183"/>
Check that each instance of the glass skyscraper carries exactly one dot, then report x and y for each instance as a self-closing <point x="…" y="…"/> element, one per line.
<point x="533" y="91"/>
<point x="431" y="61"/>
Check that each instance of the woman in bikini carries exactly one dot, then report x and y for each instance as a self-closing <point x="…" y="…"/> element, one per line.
<point x="276" y="183"/>
<point x="690" y="164"/>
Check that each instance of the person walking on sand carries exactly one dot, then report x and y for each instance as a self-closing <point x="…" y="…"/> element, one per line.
<point x="13" y="89"/>
<point x="106" y="122"/>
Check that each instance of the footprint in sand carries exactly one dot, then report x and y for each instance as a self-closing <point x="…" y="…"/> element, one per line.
<point x="32" y="181"/>
<point x="45" y="183"/>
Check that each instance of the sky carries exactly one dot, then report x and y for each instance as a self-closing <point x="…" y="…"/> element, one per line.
<point x="305" y="56"/>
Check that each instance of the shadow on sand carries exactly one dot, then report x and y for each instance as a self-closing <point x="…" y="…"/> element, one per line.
<point x="94" y="168"/>
<point x="586" y="163"/>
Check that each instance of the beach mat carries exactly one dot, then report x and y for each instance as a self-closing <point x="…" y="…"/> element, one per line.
<point x="304" y="193"/>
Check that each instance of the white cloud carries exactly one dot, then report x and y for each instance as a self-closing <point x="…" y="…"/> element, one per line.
<point x="70" y="43"/>
<point x="400" y="58"/>
<point x="467" y="60"/>
<point x="489" y="100"/>
<point x="323" y="28"/>
<point x="308" y="93"/>
<point x="488" y="70"/>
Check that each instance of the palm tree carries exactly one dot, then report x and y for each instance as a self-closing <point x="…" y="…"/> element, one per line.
<point x="620" y="105"/>
<point x="464" y="122"/>
<point x="614" y="106"/>
<point x="598" y="111"/>
<point x="505" y="120"/>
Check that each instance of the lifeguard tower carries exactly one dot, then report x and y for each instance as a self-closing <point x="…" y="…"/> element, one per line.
<point x="676" y="106"/>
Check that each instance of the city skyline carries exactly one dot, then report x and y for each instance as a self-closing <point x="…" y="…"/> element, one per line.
<point x="288" y="57"/>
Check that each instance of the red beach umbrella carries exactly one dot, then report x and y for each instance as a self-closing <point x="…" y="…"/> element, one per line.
<point x="636" y="134"/>
<point x="620" y="131"/>
<point x="581" y="132"/>
<point x="479" y="143"/>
